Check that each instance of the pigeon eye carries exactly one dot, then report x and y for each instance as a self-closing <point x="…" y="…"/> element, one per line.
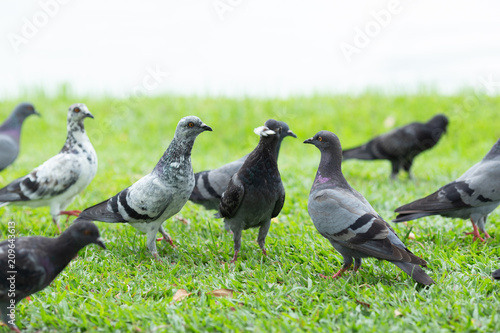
<point x="320" y="139"/>
<point x="87" y="232"/>
<point x="191" y="124"/>
<point x="77" y="109"/>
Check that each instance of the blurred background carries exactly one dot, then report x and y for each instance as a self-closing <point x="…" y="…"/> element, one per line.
<point x="248" y="48"/>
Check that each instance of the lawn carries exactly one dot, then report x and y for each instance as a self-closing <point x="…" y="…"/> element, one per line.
<point x="125" y="290"/>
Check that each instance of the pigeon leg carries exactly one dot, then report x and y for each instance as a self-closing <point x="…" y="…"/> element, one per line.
<point x="56" y="222"/>
<point x="357" y="264"/>
<point x="261" y="238"/>
<point x="344" y="268"/>
<point x="70" y="213"/>
<point x="407" y="166"/>
<point x="395" y="169"/>
<point x="475" y="233"/>
<point x="237" y="244"/>
<point x="166" y="237"/>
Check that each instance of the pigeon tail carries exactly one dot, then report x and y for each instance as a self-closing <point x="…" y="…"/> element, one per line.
<point x="360" y="153"/>
<point x="403" y="217"/>
<point x="415" y="271"/>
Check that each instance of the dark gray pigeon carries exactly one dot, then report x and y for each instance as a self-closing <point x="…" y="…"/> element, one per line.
<point x="472" y="196"/>
<point x="401" y="145"/>
<point x="38" y="261"/>
<point x="348" y="221"/>
<point x="255" y="194"/>
<point x="210" y="184"/>
<point x="157" y="196"/>
<point x="60" y="179"/>
<point x="496" y="274"/>
<point x="10" y="133"/>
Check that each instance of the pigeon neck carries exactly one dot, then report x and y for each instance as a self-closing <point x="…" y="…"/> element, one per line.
<point x="178" y="154"/>
<point x="66" y="247"/>
<point x="494" y="152"/>
<point x="76" y="135"/>
<point x="12" y="126"/>
<point x="271" y="146"/>
<point x="330" y="171"/>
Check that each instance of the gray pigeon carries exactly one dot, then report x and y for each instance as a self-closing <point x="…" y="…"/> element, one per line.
<point x="496" y="274"/>
<point x="401" y="145"/>
<point x="157" y="196"/>
<point x="348" y="221"/>
<point x="210" y="184"/>
<point x="10" y="132"/>
<point x="255" y="194"/>
<point x="472" y="196"/>
<point x="60" y="179"/>
<point x="38" y="261"/>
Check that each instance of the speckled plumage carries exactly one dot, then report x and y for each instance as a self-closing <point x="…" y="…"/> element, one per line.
<point x="210" y="184"/>
<point x="38" y="261"/>
<point x="255" y="194"/>
<point x="401" y="145"/>
<point x="160" y="194"/>
<point x="472" y="196"/>
<point x="10" y="133"/>
<point x="60" y="179"/>
<point x="344" y="217"/>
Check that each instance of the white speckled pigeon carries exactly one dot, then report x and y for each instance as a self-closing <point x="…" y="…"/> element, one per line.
<point x="60" y="179"/>
<point x="401" y="145"/>
<point x="496" y="274"/>
<point x="348" y="221"/>
<point x="37" y="262"/>
<point x="10" y="132"/>
<point x="255" y="193"/>
<point x="472" y="196"/>
<point x="146" y="204"/>
<point x="210" y="184"/>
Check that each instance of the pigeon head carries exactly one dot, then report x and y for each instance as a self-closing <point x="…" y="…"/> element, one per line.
<point x="24" y="110"/>
<point x="77" y="112"/>
<point x="271" y="129"/>
<point x="439" y="121"/>
<point x="190" y="127"/>
<point x="84" y="233"/>
<point x="326" y="141"/>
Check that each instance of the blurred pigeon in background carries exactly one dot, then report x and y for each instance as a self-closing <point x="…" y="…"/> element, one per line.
<point x="157" y="196"/>
<point x="60" y="179"/>
<point x="255" y="194"/>
<point x="210" y="184"/>
<point x="472" y="196"/>
<point x="348" y="221"/>
<point x="10" y="132"/>
<point x="496" y="274"/>
<point x="37" y="262"/>
<point x="401" y="145"/>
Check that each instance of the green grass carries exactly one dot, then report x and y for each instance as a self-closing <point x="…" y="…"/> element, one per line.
<point x="125" y="290"/>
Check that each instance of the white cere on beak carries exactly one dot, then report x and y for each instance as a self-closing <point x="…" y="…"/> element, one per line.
<point x="263" y="131"/>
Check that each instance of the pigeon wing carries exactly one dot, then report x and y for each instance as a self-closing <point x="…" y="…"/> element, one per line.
<point x="231" y="198"/>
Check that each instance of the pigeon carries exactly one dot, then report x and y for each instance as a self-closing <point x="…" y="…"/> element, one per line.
<point x="401" y="145"/>
<point x="157" y="196"/>
<point x="255" y="194"/>
<point x="210" y="184"/>
<point x="472" y="196"/>
<point x="344" y="217"/>
<point x="10" y="132"/>
<point x="37" y="262"/>
<point x="496" y="274"/>
<point x="60" y="179"/>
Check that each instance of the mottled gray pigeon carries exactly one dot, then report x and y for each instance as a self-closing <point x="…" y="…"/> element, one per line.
<point x="10" y="132"/>
<point x="157" y="196"/>
<point x="210" y="184"/>
<point x="255" y="194"/>
<point x="401" y="145"/>
<point x="472" y="196"/>
<point x="60" y="179"/>
<point x="29" y="264"/>
<point x="496" y="274"/>
<point x="344" y="217"/>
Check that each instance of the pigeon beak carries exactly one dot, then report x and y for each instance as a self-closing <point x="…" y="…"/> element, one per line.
<point x="37" y="113"/>
<point x="89" y="115"/>
<point x="310" y="140"/>
<point x="290" y="133"/>
<point x="100" y="242"/>
<point x="205" y="127"/>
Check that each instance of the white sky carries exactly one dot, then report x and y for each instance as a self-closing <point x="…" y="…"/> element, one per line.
<point x="260" y="47"/>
